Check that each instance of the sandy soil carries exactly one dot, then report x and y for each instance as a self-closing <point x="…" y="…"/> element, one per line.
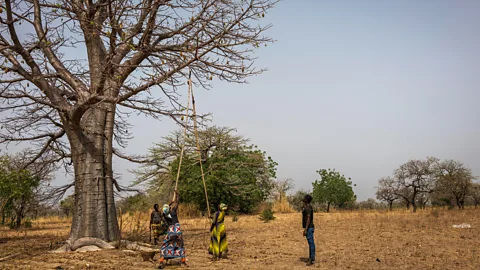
<point x="357" y="240"/>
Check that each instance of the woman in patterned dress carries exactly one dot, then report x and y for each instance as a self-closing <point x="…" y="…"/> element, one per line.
<point x="172" y="246"/>
<point x="218" y="240"/>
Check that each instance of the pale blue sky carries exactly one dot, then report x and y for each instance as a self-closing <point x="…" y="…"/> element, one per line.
<point x="360" y="86"/>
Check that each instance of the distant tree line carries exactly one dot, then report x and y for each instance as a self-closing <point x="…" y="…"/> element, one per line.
<point x="417" y="183"/>
<point x="414" y="184"/>
<point x="243" y="176"/>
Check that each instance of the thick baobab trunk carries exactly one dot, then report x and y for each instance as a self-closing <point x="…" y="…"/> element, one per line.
<point x="390" y="204"/>
<point x="94" y="213"/>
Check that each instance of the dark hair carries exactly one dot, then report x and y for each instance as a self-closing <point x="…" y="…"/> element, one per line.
<point x="155" y="206"/>
<point x="308" y="199"/>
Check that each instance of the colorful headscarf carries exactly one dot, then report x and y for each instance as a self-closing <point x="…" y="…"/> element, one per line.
<point x="166" y="209"/>
<point x="223" y="207"/>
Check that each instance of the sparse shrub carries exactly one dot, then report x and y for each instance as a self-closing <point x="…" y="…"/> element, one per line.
<point x="262" y="206"/>
<point x="319" y="207"/>
<point x="12" y="225"/>
<point x="28" y="223"/>
<point x="267" y="215"/>
<point x="235" y="216"/>
<point x="368" y="204"/>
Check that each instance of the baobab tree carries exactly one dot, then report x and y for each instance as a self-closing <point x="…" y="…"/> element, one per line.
<point x="417" y="177"/>
<point x="73" y="70"/>
<point x="386" y="191"/>
<point x="454" y="180"/>
<point x="282" y="186"/>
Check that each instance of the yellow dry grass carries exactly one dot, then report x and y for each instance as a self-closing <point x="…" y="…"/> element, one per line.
<point x="282" y="207"/>
<point x="345" y="240"/>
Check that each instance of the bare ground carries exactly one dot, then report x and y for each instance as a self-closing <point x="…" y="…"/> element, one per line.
<point x="357" y="240"/>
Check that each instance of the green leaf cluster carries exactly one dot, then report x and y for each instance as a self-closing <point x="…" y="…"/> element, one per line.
<point x="333" y="188"/>
<point x="17" y="186"/>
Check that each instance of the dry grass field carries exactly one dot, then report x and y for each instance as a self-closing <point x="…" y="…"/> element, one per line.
<point x="344" y="240"/>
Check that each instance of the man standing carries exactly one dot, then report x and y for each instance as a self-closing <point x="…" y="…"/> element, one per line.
<point x="156" y="223"/>
<point x="308" y="227"/>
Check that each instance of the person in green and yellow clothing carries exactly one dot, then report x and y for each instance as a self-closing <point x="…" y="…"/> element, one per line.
<point x="218" y="240"/>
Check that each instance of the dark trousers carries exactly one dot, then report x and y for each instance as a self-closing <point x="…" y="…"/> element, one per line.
<point x="311" y="243"/>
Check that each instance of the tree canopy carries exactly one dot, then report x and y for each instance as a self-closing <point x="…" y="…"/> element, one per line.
<point x="454" y="180"/>
<point x="236" y="173"/>
<point x="419" y="181"/>
<point x="18" y="190"/>
<point x="333" y="188"/>
<point x="387" y="191"/>
<point x="415" y="178"/>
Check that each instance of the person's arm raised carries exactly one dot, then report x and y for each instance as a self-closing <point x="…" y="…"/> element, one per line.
<point x="174" y="203"/>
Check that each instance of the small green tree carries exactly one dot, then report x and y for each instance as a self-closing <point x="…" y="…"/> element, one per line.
<point x="17" y="190"/>
<point x="333" y="188"/>
<point x="236" y="173"/>
<point x="239" y="177"/>
<point x="66" y="205"/>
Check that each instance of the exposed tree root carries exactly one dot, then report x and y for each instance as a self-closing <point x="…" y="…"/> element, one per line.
<point x="95" y="244"/>
<point x="135" y="246"/>
<point x="90" y="241"/>
<point x="83" y="242"/>
<point x="88" y="248"/>
<point x="10" y="256"/>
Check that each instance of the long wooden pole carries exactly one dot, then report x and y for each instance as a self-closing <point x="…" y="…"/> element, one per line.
<point x="198" y="149"/>
<point x="184" y="138"/>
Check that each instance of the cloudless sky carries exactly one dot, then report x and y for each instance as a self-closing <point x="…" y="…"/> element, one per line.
<point x="359" y="86"/>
